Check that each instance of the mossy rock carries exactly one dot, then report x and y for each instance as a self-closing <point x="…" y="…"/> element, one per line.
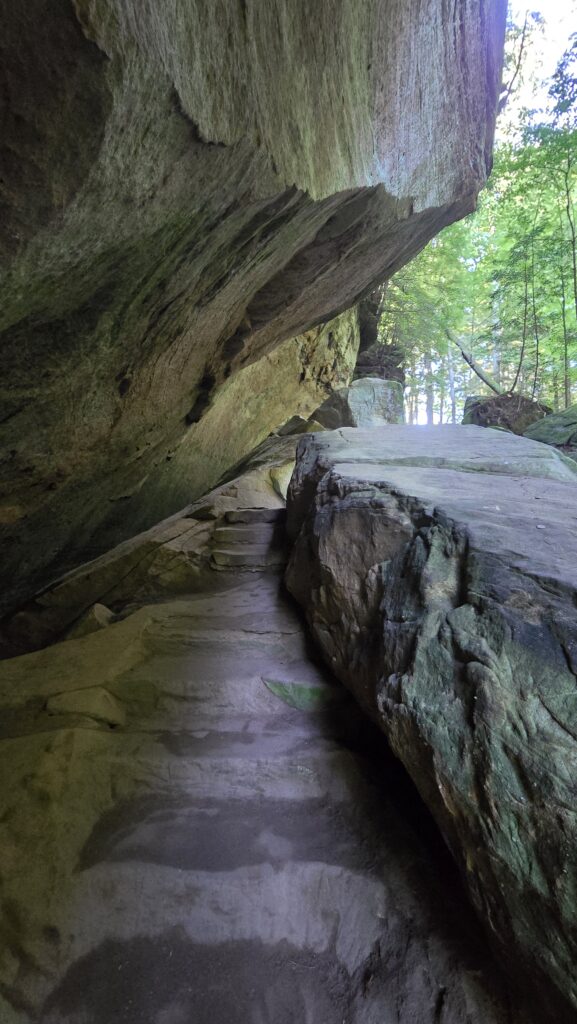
<point x="509" y="412"/>
<point x="301" y="696"/>
<point x="558" y="429"/>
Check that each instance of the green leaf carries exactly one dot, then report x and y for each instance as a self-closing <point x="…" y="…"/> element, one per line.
<point x="302" y="696"/>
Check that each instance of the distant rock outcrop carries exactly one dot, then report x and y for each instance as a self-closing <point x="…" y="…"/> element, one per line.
<point x="375" y="358"/>
<point x="384" y="361"/>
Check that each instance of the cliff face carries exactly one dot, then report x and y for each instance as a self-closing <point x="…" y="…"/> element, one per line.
<point x="183" y="188"/>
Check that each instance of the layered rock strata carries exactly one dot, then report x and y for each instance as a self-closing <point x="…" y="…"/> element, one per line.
<point x="184" y="187"/>
<point x="197" y="824"/>
<point x="171" y="557"/>
<point x="437" y="568"/>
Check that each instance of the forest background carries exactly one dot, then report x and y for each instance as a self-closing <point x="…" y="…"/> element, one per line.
<point x="490" y="305"/>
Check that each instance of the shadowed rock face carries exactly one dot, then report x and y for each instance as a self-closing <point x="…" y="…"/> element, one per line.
<point x="437" y="570"/>
<point x="184" y="187"/>
<point x="198" y="825"/>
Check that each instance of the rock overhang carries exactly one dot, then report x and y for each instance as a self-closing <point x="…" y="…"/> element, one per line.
<point x="249" y="172"/>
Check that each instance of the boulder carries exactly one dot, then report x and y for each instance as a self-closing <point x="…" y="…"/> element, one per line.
<point x="438" y="571"/>
<point x="97" y="617"/>
<point x="507" y="412"/>
<point x="558" y="429"/>
<point x="184" y="188"/>
<point x="367" y="402"/>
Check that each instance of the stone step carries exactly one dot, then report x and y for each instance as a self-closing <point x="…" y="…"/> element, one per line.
<point x="256" y="515"/>
<point x="243" y="533"/>
<point x="249" y="555"/>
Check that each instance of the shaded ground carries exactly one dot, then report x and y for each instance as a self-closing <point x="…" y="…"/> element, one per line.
<point x="243" y="850"/>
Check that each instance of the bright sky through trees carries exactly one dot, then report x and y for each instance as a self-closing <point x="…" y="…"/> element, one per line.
<point x="497" y="293"/>
<point x="559" y="23"/>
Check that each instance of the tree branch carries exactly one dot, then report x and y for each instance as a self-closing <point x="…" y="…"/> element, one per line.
<point x="472" y="363"/>
<point x="509" y="87"/>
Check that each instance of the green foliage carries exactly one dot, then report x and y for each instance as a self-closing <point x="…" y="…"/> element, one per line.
<point x="563" y="89"/>
<point x="501" y="285"/>
<point x="301" y="696"/>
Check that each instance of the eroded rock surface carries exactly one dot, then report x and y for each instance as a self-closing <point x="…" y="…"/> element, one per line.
<point x="367" y="402"/>
<point x="438" y="570"/>
<point x="185" y="186"/>
<point x="197" y="823"/>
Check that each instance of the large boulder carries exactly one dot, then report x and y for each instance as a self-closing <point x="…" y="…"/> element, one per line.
<point x="438" y="571"/>
<point x="185" y="186"/>
<point x="367" y="402"/>
<point x="558" y="429"/>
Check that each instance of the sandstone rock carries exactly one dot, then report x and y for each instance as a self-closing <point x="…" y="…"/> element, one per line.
<point x="184" y="187"/>
<point x="437" y="568"/>
<point x="235" y="849"/>
<point x="375" y="358"/>
<point x="91" y="702"/>
<point x="298" y="425"/>
<point x="97" y="617"/>
<point x="384" y="361"/>
<point x="245" y="409"/>
<point x="280" y="478"/>
<point x="509" y="412"/>
<point x="367" y="402"/>
<point x="295" y="425"/>
<point x="558" y="429"/>
<point x="172" y="557"/>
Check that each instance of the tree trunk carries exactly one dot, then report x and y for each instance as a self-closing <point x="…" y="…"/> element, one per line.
<point x="472" y="363"/>
<point x="524" y="336"/>
<point x="566" y="374"/>
<point x="555" y="392"/>
<point x="429" y="393"/>
<point x="412" y="391"/>
<point x="442" y="401"/>
<point x="452" y="385"/>
<point x="571" y="219"/>
<point x="496" y="344"/>
<point x="534" y="310"/>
